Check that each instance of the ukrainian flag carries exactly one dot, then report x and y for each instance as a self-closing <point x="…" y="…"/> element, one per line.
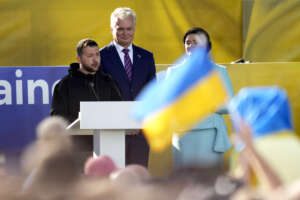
<point x="265" y="109"/>
<point x="192" y="92"/>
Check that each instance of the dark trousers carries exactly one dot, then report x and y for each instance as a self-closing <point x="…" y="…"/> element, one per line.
<point x="137" y="150"/>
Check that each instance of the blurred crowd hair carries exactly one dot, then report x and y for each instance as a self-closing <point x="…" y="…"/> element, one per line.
<point x="50" y="172"/>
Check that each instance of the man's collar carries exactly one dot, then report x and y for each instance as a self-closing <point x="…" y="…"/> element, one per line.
<point x="120" y="48"/>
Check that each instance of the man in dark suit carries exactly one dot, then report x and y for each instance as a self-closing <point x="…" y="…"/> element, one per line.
<point x="131" y="67"/>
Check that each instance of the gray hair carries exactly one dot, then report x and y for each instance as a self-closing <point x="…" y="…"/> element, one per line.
<point x="121" y="13"/>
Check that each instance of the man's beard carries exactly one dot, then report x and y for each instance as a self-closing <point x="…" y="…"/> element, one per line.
<point x="92" y="68"/>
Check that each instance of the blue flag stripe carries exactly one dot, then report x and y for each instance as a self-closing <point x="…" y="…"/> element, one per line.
<point x="191" y="70"/>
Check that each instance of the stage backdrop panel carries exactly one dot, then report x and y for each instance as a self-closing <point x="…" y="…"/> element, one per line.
<point x="273" y="31"/>
<point x="46" y="32"/>
<point x="25" y="98"/>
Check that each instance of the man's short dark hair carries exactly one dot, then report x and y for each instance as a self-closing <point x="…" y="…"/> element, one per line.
<point x="198" y="30"/>
<point x="85" y="43"/>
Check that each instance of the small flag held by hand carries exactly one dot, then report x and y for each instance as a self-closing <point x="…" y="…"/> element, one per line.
<point x="192" y="92"/>
<point x="265" y="110"/>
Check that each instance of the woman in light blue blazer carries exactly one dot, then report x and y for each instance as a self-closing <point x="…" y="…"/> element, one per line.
<point x="205" y="144"/>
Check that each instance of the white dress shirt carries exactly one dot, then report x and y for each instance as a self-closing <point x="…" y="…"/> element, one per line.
<point x="121" y="54"/>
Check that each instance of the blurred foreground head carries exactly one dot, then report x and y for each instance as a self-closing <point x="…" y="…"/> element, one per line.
<point x="131" y="174"/>
<point x="204" y="183"/>
<point x="52" y="138"/>
<point x="101" y="166"/>
<point x="52" y="128"/>
<point x="50" y="161"/>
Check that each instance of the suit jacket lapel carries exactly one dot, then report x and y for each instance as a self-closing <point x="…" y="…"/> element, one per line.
<point x="137" y="59"/>
<point x="115" y="57"/>
<point x="117" y="63"/>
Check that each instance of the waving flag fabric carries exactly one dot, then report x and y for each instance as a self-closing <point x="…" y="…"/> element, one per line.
<point x="179" y="102"/>
<point x="265" y="109"/>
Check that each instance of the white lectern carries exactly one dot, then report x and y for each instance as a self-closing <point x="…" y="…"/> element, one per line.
<point x="107" y="122"/>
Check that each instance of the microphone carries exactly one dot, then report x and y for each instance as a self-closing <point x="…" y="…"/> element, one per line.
<point x="92" y="85"/>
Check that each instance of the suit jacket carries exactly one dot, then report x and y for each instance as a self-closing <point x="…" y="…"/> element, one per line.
<point x="143" y="70"/>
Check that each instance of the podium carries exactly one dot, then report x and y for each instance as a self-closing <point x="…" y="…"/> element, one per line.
<point x="107" y="122"/>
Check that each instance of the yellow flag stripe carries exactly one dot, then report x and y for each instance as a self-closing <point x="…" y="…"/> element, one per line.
<point x="204" y="98"/>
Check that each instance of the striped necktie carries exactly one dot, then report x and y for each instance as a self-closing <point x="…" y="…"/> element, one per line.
<point x="127" y="63"/>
